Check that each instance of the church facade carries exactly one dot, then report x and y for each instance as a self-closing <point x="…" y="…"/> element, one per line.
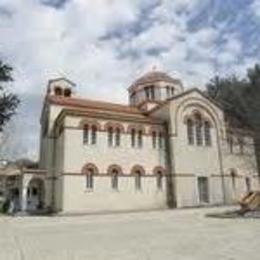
<point x="167" y="148"/>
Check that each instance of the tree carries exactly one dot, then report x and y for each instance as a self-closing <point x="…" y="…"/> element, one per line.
<point x="8" y="101"/>
<point x="240" y="98"/>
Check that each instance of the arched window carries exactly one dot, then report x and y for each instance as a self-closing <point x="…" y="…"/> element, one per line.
<point x="90" y="170"/>
<point x="118" y="136"/>
<point x="93" y="134"/>
<point x="230" y="141"/>
<point x="190" y="131"/>
<point x="159" y="177"/>
<point x="168" y="93"/>
<point x="160" y="140"/>
<point x="154" y="139"/>
<point x="207" y="134"/>
<point x="138" y="183"/>
<point x="152" y="92"/>
<point x="67" y="92"/>
<point x="233" y="179"/>
<point x="89" y="178"/>
<point x="57" y="91"/>
<point x="198" y="126"/>
<point x="140" y="138"/>
<point x="172" y="91"/>
<point x="241" y="144"/>
<point x="114" y="179"/>
<point x="248" y="184"/>
<point x="110" y="136"/>
<point x="133" y="136"/>
<point x="85" y="134"/>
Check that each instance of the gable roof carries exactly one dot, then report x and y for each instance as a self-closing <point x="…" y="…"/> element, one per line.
<point x="92" y="104"/>
<point x="187" y="93"/>
<point x="99" y="109"/>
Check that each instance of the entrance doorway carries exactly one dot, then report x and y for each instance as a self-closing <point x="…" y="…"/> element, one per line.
<point x="203" y="188"/>
<point x="35" y="195"/>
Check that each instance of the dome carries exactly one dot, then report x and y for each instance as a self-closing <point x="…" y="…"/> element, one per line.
<point x="154" y="76"/>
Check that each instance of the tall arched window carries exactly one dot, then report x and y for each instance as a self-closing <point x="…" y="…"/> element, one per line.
<point x="133" y="136"/>
<point x="207" y="134"/>
<point x="85" y="134"/>
<point x="138" y="183"/>
<point x="172" y="91"/>
<point x="154" y="139"/>
<point x="159" y="177"/>
<point x="240" y="140"/>
<point x="90" y="170"/>
<point x="110" y="136"/>
<point x="114" y="179"/>
<point x="140" y="138"/>
<point x="160" y="140"/>
<point x="198" y="126"/>
<point x="118" y="136"/>
<point x="152" y="92"/>
<point x="168" y="93"/>
<point x="230" y="141"/>
<point x="190" y="131"/>
<point x="233" y="179"/>
<point x="93" y="134"/>
<point x="248" y="184"/>
<point x="89" y="179"/>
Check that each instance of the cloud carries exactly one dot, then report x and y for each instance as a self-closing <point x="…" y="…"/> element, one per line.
<point x="255" y="6"/>
<point x="54" y="3"/>
<point x="103" y="45"/>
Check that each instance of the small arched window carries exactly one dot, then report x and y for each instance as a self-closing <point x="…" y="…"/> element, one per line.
<point x="57" y="91"/>
<point x="67" y="92"/>
<point x="93" y="134"/>
<point x="118" y="136"/>
<point x="154" y="139"/>
<point x="207" y="133"/>
<point x="110" y="136"/>
<point x="138" y="183"/>
<point x="198" y="127"/>
<point x="114" y="179"/>
<point x="140" y="138"/>
<point x="89" y="178"/>
<point x="190" y="131"/>
<point x="133" y="136"/>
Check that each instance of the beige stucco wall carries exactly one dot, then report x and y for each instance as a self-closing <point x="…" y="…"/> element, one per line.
<point x="77" y="155"/>
<point x="104" y="198"/>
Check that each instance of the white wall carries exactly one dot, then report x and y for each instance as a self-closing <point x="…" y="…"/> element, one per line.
<point x="104" y="198"/>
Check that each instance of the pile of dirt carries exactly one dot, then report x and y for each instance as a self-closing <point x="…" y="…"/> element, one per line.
<point x="250" y="202"/>
<point x="249" y="207"/>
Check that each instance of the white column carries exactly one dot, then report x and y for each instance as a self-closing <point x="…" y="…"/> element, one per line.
<point x="24" y="198"/>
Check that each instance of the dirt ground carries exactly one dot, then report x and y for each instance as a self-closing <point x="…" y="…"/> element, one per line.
<point x="169" y="234"/>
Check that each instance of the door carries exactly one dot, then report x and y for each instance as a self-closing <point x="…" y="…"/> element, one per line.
<point x="203" y="187"/>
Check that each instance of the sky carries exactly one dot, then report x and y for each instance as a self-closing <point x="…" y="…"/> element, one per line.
<point x="104" y="45"/>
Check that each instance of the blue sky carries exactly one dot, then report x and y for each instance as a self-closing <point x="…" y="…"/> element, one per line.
<point x="103" y="45"/>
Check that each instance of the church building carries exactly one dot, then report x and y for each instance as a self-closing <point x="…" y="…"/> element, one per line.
<point x="169" y="147"/>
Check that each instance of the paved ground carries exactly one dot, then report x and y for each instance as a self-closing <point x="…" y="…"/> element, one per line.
<point x="173" y="235"/>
